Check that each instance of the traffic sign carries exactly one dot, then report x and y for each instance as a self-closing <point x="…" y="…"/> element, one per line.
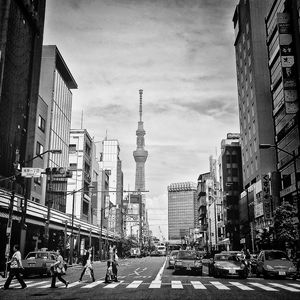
<point x="32" y="172"/>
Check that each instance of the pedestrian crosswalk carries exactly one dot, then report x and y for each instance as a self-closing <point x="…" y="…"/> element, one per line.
<point x="173" y="284"/>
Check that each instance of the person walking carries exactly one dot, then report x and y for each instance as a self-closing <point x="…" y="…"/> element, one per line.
<point x="88" y="266"/>
<point x="15" y="268"/>
<point x="115" y="265"/>
<point x="58" y="269"/>
<point x="109" y="272"/>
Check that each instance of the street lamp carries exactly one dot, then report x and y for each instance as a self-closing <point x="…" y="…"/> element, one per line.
<point x="293" y="154"/>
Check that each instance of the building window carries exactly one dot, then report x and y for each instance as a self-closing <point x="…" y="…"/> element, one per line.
<point x="72" y="148"/>
<point x="41" y="124"/>
<point x="73" y="166"/>
<point x="85" y="208"/>
<point x="39" y="148"/>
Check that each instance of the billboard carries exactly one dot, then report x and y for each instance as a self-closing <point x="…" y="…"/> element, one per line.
<point x="287" y="63"/>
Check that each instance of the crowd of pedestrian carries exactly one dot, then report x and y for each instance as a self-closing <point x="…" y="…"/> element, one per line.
<point x="58" y="269"/>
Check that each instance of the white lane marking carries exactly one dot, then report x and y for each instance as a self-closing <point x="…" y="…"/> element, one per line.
<point x="263" y="287"/>
<point x="219" y="285"/>
<point x="159" y="274"/>
<point x="284" y="287"/>
<point x="134" y="284"/>
<point x="198" y="285"/>
<point x="155" y="285"/>
<point x="144" y="269"/>
<point x="112" y="285"/>
<point x="136" y="273"/>
<point x="37" y="283"/>
<point x="294" y="284"/>
<point x="93" y="284"/>
<point x="75" y="283"/>
<point x="241" y="286"/>
<point x="176" y="284"/>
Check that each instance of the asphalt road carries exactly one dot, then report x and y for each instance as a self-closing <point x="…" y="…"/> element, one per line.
<point x="148" y="278"/>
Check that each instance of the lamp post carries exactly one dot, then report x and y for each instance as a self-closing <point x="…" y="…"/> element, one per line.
<point x="24" y="207"/>
<point x="294" y="157"/>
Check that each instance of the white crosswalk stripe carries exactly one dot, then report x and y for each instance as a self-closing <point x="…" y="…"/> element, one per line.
<point x="294" y="284"/>
<point x="75" y="283"/>
<point x="36" y="283"/>
<point x="155" y="284"/>
<point x="176" y="284"/>
<point x="113" y="285"/>
<point x="288" y="288"/>
<point x="198" y="285"/>
<point x="16" y="283"/>
<point x="58" y="284"/>
<point x="263" y="287"/>
<point x="134" y="284"/>
<point x="219" y="285"/>
<point x="93" y="284"/>
<point x="241" y="286"/>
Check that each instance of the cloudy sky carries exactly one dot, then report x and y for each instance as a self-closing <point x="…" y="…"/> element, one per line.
<point x="180" y="52"/>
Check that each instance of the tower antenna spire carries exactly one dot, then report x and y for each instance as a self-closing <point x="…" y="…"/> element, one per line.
<point x="141" y="103"/>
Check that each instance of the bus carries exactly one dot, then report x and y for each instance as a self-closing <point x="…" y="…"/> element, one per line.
<point x="161" y="249"/>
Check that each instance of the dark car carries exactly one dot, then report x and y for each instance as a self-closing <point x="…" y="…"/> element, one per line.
<point x="188" y="260"/>
<point x="275" y="263"/>
<point x="38" y="262"/>
<point x="172" y="258"/>
<point x="227" y="264"/>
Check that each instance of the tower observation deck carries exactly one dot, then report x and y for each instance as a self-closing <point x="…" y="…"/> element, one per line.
<point x="140" y="154"/>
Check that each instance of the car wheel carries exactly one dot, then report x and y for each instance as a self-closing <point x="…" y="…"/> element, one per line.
<point x="265" y="275"/>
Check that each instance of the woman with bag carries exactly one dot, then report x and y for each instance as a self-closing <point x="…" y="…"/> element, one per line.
<point x="15" y="269"/>
<point x="88" y="267"/>
<point x="58" y="269"/>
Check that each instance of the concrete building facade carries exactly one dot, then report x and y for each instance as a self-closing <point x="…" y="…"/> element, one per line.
<point x="182" y="210"/>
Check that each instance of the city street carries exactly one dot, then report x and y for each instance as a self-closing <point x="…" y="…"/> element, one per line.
<point x="145" y="278"/>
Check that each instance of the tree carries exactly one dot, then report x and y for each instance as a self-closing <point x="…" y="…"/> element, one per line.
<point x="286" y="231"/>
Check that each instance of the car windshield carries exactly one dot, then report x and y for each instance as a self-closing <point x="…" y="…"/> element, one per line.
<point x="275" y="255"/>
<point x="174" y="253"/>
<point x="223" y="257"/>
<point x="187" y="255"/>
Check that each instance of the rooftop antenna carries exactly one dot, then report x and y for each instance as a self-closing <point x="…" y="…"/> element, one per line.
<point x="106" y="134"/>
<point x="141" y="100"/>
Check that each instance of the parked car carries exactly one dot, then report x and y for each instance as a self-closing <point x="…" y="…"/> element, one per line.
<point x="225" y="264"/>
<point x="171" y="258"/>
<point x="135" y="252"/>
<point x="188" y="260"/>
<point x="38" y="263"/>
<point x="275" y="263"/>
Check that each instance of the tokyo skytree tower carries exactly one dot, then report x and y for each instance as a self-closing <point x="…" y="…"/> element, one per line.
<point x="140" y="154"/>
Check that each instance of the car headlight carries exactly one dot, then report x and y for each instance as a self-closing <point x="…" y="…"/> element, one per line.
<point x="268" y="267"/>
<point x="292" y="269"/>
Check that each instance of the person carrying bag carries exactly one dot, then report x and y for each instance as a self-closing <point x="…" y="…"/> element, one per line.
<point x="58" y="269"/>
<point x="16" y="268"/>
<point x="88" y="267"/>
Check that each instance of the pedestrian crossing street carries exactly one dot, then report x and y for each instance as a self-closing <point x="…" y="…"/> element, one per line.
<point x="174" y="284"/>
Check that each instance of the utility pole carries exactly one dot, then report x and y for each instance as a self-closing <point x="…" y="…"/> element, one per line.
<point x="11" y="208"/>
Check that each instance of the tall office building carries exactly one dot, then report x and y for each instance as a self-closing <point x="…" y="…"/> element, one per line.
<point x="110" y="160"/>
<point x="231" y="180"/>
<point x="140" y="154"/>
<point x="182" y="209"/>
<point x="254" y="97"/>
<point x="283" y="41"/>
<point x="21" y="38"/>
<point x="255" y="104"/>
<point x="55" y="107"/>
